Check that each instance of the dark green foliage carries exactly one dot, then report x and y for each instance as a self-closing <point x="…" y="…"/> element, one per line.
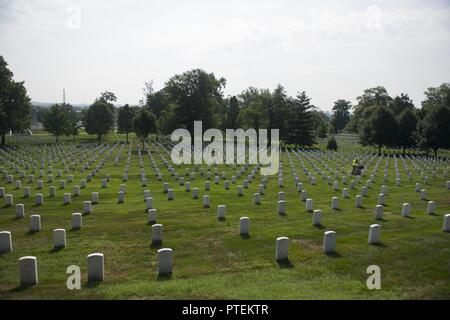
<point x="144" y="123"/>
<point x="60" y="119"/>
<point x="341" y="115"/>
<point x="300" y="130"/>
<point x="125" y="117"/>
<point x="15" y="106"/>
<point x="99" y="118"/>
<point x="332" y="144"/>
<point x="379" y="128"/>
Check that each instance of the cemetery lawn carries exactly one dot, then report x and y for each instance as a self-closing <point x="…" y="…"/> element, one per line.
<point x="211" y="260"/>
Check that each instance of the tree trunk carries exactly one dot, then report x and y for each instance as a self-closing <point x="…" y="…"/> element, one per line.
<point x="99" y="139"/>
<point x="127" y="137"/>
<point x="379" y="149"/>
<point x="435" y="153"/>
<point x="57" y="138"/>
<point x="3" y="139"/>
<point x="404" y="151"/>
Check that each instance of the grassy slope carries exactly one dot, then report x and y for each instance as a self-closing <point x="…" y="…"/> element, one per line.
<point x="211" y="261"/>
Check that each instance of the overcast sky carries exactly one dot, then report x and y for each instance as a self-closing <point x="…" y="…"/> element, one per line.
<point x="330" y="49"/>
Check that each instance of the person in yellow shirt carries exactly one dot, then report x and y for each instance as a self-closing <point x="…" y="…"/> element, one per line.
<point x="355" y="165"/>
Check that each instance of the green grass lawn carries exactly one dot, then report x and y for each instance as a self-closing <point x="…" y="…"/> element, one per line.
<point x="211" y="260"/>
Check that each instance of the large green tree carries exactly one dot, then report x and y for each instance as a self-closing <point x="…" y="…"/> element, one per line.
<point x="379" y="128"/>
<point x="196" y="95"/>
<point x="434" y="128"/>
<point x="401" y="103"/>
<point x="58" y="120"/>
<point x="232" y="113"/>
<point x="407" y="129"/>
<point x="15" y="106"/>
<point x="300" y="127"/>
<point x="377" y="96"/>
<point x="144" y="123"/>
<point x="125" y="117"/>
<point x="99" y="118"/>
<point x="341" y="115"/>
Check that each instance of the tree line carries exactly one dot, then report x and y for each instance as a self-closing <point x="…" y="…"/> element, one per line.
<point x="377" y="118"/>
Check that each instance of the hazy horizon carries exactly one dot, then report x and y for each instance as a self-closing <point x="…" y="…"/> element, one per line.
<point x="330" y="49"/>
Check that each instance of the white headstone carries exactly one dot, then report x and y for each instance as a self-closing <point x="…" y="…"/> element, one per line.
<point x="52" y="191"/>
<point x="309" y="205"/>
<point x="335" y="203"/>
<point x="358" y="201"/>
<point x="281" y="206"/>
<point x="431" y="207"/>
<point x="379" y="212"/>
<point x="28" y="271"/>
<point x="152" y="216"/>
<point x="406" y="209"/>
<point x="59" y="238"/>
<point x="374" y="234"/>
<point x="120" y="197"/>
<point x="329" y="242"/>
<point x="195" y="193"/>
<point x="257" y="198"/>
<point x="20" y="211"/>
<point x="87" y="207"/>
<point x="317" y="217"/>
<point x="205" y="201"/>
<point x="423" y="194"/>
<point x="94" y="197"/>
<point x="77" y="221"/>
<point x="244" y="226"/>
<point x="381" y="198"/>
<point x="35" y="222"/>
<point x="39" y="199"/>
<point x="67" y="198"/>
<point x="170" y="194"/>
<point x="157" y="233"/>
<point x="9" y="200"/>
<point x="95" y="267"/>
<point x="345" y="193"/>
<point x="5" y="242"/>
<point x="281" y="249"/>
<point x="446" y="226"/>
<point x="221" y="210"/>
<point x="165" y="261"/>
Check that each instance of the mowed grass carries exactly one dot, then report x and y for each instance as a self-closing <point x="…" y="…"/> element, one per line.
<point x="211" y="260"/>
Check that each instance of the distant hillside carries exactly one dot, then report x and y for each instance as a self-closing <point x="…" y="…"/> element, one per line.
<point x="48" y="104"/>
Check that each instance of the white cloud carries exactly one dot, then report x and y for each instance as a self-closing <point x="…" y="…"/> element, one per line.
<point x="331" y="49"/>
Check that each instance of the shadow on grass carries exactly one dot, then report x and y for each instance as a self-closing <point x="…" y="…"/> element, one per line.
<point x="74" y="229"/>
<point x="221" y="219"/>
<point x="156" y="245"/>
<point x="31" y="232"/>
<point x="380" y="245"/>
<point x="362" y="207"/>
<point x="6" y="206"/>
<point x="285" y="264"/>
<point x="337" y="209"/>
<point x="283" y="214"/>
<point x="150" y="223"/>
<point x="16" y="218"/>
<point x="410" y="217"/>
<point x="334" y="255"/>
<point x="55" y="249"/>
<point x="245" y="236"/>
<point x="319" y="226"/>
<point x="382" y="219"/>
<point x="21" y="288"/>
<point x="164" y="277"/>
<point x="93" y="284"/>
<point x="36" y="205"/>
